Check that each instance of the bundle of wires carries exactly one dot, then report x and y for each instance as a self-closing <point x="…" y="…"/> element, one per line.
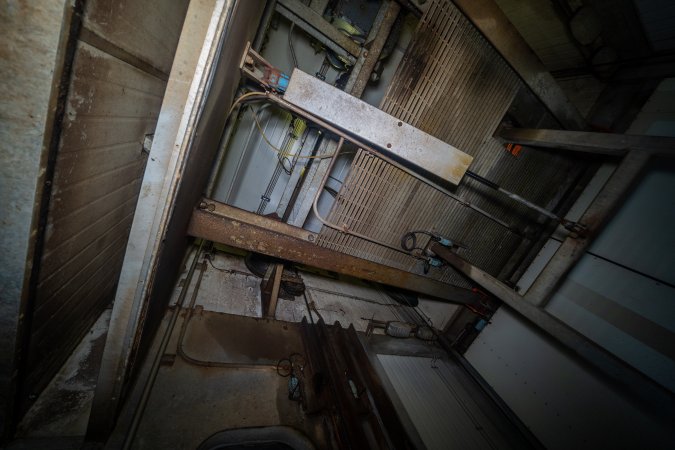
<point x="409" y="240"/>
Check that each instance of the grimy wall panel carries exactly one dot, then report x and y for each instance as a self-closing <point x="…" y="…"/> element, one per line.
<point x="121" y="63"/>
<point x="26" y="88"/>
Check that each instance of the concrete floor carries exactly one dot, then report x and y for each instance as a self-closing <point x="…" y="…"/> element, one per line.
<point x="226" y="376"/>
<point x="222" y="374"/>
<point x="225" y="379"/>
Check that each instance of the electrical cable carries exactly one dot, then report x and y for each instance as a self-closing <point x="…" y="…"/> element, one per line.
<point x="282" y="153"/>
<point x="409" y="240"/>
<point x="290" y="45"/>
<point x="241" y="98"/>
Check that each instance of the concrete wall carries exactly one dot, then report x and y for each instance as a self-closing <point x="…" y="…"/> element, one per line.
<point x="28" y="57"/>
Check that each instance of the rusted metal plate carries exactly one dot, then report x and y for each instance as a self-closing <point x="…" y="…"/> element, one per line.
<point x="377" y="127"/>
<point x="350" y="390"/>
<point x="242" y="229"/>
<point x="218" y="339"/>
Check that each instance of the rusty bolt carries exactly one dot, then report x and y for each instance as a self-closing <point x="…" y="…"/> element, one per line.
<point x="388" y="145"/>
<point x="310" y="238"/>
<point x="400" y="124"/>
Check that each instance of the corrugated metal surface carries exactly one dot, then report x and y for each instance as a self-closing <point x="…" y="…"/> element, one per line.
<point x="443" y="412"/>
<point x="453" y="85"/>
<point x="114" y="96"/>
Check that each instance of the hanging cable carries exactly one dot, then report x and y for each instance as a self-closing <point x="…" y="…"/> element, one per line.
<point x="290" y="45"/>
<point x="409" y="240"/>
<point x="280" y="151"/>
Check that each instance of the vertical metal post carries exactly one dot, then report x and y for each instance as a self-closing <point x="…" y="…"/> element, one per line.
<point x="368" y="57"/>
<point x="595" y="217"/>
<point x="269" y="289"/>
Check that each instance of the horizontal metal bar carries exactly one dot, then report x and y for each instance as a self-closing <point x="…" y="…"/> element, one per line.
<point x="377" y="127"/>
<point x="631" y="381"/>
<point x="364" y="146"/>
<point x="589" y="142"/>
<point x="490" y="20"/>
<point x="315" y="25"/>
<point x="242" y="229"/>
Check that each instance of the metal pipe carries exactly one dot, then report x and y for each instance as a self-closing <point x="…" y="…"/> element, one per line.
<point x="516" y="197"/>
<point x="154" y="369"/>
<point x="265" y="21"/>
<point x="220" y="156"/>
<point x="180" y="350"/>
<point x="343" y="229"/>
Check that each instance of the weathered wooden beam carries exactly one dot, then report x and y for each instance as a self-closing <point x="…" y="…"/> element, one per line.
<point x="228" y="225"/>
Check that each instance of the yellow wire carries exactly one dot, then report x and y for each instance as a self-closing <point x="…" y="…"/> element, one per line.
<point x="282" y="153"/>
<point x="240" y="99"/>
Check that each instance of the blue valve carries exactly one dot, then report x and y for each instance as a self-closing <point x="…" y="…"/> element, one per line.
<point x="445" y="242"/>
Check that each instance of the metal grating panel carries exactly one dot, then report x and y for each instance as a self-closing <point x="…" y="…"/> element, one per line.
<point x="453" y="85"/>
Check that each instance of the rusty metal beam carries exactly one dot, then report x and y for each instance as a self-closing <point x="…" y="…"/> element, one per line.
<point x="628" y="379"/>
<point x="232" y="226"/>
<point x="269" y="289"/>
<point x="370" y="54"/>
<point x="318" y="27"/>
<point x="588" y="142"/>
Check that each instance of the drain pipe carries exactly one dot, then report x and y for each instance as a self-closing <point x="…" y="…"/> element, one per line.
<point x="150" y="381"/>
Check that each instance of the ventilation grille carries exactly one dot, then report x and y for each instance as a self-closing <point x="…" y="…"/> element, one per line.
<point x="452" y="84"/>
